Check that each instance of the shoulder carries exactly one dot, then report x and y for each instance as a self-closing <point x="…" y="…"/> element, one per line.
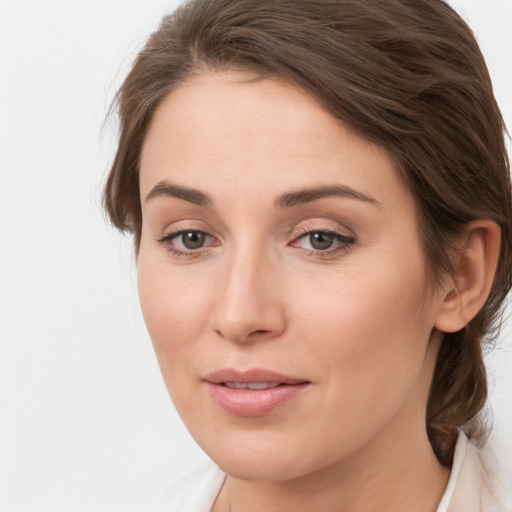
<point x="196" y="492"/>
<point x="482" y="484"/>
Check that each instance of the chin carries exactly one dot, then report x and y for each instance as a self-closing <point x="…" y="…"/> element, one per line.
<point x="265" y="456"/>
<point x="263" y="468"/>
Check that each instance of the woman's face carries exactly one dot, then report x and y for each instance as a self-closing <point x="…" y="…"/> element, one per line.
<point x="282" y="279"/>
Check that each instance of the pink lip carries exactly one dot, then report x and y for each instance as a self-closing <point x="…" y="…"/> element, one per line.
<point x="252" y="402"/>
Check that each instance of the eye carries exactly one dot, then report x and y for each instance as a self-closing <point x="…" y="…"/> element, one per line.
<point x="187" y="241"/>
<point x="191" y="239"/>
<point x="323" y="242"/>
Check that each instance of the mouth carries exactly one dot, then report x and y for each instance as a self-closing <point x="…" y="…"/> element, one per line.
<point x="254" y="392"/>
<point x="251" y="385"/>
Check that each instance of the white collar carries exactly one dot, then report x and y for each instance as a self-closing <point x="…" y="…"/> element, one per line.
<point x="458" y="460"/>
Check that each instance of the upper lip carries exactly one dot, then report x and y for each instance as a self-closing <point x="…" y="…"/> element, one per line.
<point x="251" y="376"/>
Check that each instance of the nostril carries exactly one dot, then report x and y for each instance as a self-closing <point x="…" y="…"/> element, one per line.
<point x="258" y="332"/>
<point x="240" y="337"/>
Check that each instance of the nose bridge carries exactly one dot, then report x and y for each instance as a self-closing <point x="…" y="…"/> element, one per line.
<point x="247" y="304"/>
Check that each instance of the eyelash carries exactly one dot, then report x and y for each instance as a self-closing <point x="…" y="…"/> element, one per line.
<point x="167" y="239"/>
<point x="345" y="243"/>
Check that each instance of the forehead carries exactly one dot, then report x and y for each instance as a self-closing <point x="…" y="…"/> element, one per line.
<point x="222" y="130"/>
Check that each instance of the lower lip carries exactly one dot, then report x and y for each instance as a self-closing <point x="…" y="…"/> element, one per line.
<point x="251" y="403"/>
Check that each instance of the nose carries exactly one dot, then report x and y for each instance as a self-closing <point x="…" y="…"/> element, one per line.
<point x="249" y="305"/>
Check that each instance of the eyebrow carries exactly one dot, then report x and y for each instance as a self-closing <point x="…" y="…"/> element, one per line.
<point x="308" y="195"/>
<point x="165" y="189"/>
<point x="287" y="200"/>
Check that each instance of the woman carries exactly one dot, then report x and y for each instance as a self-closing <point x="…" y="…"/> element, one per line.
<point x="320" y="198"/>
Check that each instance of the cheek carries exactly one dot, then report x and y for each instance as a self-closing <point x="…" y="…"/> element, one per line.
<point x="383" y="299"/>
<point x="368" y="338"/>
<point x="368" y="327"/>
<point x="175" y="310"/>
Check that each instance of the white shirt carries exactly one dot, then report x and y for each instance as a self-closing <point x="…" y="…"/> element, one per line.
<point x="474" y="486"/>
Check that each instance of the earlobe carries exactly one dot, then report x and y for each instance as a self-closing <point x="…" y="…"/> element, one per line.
<point x="474" y="274"/>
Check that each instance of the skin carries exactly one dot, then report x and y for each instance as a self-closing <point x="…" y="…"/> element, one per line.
<point x="356" y="321"/>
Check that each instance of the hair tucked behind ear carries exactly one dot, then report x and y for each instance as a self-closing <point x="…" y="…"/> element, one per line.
<point x="406" y="75"/>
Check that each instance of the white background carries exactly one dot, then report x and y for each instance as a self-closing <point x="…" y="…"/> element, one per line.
<point x="85" y="421"/>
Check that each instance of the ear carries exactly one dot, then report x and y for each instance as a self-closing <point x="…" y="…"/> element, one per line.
<point x="475" y="268"/>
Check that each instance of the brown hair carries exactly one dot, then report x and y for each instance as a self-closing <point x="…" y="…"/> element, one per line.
<point x="406" y="75"/>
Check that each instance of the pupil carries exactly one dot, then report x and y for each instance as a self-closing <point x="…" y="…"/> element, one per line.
<point x="321" y="241"/>
<point x="193" y="239"/>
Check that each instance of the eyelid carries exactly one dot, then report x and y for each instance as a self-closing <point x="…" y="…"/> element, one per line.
<point x="345" y="239"/>
<point x="170" y="233"/>
<point x="341" y="246"/>
<point x="340" y="236"/>
<point x="321" y="225"/>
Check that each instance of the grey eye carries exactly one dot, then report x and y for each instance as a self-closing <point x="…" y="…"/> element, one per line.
<point x="192" y="239"/>
<point x="321" y="240"/>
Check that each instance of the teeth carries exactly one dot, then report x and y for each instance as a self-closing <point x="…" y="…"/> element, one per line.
<point x="251" y="385"/>
<point x="262" y="385"/>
